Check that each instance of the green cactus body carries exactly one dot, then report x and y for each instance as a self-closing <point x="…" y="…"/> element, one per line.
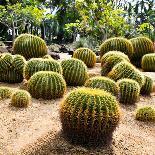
<point x="86" y="55"/>
<point x="148" y="62"/>
<point x="129" y="91"/>
<point x="126" y="70"/>
<point x="110" y="59"/>
<point x="147" y="88"/>
<point x="29" y="46"/>
<point x="5" y="92"/>
<point x="74" y="72"/>
<point x="46" y="85"/>
<point x="89" y="115"/>
<point x="38" y="64"/>
<point x="21" y="99"/>
<point x="117" y="44"/>
<point x="103" y="83"/>
<point x="47" y="56"/>
<point x="146" y="114"/>
<point x="142" y="46"/>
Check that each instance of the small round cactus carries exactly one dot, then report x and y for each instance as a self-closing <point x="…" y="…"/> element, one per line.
<point x="126" y="70"/>
<point x="148" y="62"/>
<point x="103" y="83"/>
<point x="146" y="114"/>
<point x="147" y="88"/>
<point x="142" y="46"/>
<point x="117" y="44"/>
<point x="89" y="115"/>
<point x="74" y="72"/>
<point x="46" y="85"/>
<point x="29" y="46"/>
<point x="129" y="91"/>
<point x="5" y="92"/>
<point x="21" y="99"/>
<point x="38" y="64"/>
<point x="110" y="59"/>
<point x="86" y="55"/>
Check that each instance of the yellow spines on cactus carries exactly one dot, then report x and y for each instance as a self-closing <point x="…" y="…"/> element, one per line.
<point x="5" y="92"/>
<point x="117" y="44"/>
<point x="46" y="85"/>
<point x="86" y="55"/>
<point x="89" y="115"/>
<point x="29" y="46"/>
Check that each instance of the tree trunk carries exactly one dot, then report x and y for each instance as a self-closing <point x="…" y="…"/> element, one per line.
<point x="13" y="31"/>
<point x="42" y="26"/>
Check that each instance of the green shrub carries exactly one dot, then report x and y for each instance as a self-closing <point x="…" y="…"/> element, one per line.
<point x="89" y="115"/>
<point x="46" y="85"/>
<point x="146" y="114"/>
<point x="147" y="88"/>
<point x="148" y="62"/>
<point x="103" y="83"/>
<point x="126" y="70"/>
<point x="29" y="46"/>
<point x="110" y="59"/>
<point x="38" y="64"/>
<point x="5" y="92"/>
<point x="117" y="44"/>
<point x="142" y="46"/>
<point x="129" y="91"/>
<point x="74" y="72"/>
<point x="20" y="98"/>
<point x="86" y="55"/>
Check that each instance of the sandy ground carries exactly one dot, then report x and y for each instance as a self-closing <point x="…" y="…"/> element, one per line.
<point x="37" y="130"/>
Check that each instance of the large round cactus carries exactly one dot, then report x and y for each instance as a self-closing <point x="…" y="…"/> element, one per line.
<point x="29" y="46"/>
<point x="117" y="44"/>
<point x="126" y="70"/>
<point x="46" y="85"/>
<point x="142" y="46"/>
<point x="38" y="64"/>
<point x="86" y="55"/>
<point x="147" y="88"/>
<point x="148" y="62"/>
<point x="89" y="115"/>
<point x="110" y="59"/>
<point x="5" y="92"/>
<point x="103" y="83"/>
<point x="129" y="91"/>
<point x="74" y="72"/>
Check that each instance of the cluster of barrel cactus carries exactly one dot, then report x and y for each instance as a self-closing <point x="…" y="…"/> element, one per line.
<point x="38" y="64"/>
<point x="86" y="55"/>
<point x="29" y="46"/>
<point x="148" y="62"/>
<point x="129" y="91"/>
<point x="103" y="83"/>
<point x="46" y="85"/>
<point x="20" y="98"/>
<point x="11" y="68"/>
<point x="74" y="72"/>
<point x="89" y="115"/>
<point x="5" y="92"/>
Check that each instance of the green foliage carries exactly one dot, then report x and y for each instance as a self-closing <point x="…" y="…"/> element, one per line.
<point x="103" y="83"/>
<point x="21" y="99"/>
<point x="146" y="114"/>
<point x="38" y="64"/>
<point x="110" y="59"/>
<point x="86" y="55"/>
<point x="30" y="46"/>
<point x="5" y="92"/>
<point x="142" y="46"/>
<point x="126" y="70"/>
<point x="11" y="68"/>
<point x="74" y="72"/>
<point x="89" y="115"/>
<point x="129" y="91"/>
<point x="46" y="85"/>
<point x="148" y="62"/>
<point x="117" y="44"/>
<point x="147" y="88"/>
